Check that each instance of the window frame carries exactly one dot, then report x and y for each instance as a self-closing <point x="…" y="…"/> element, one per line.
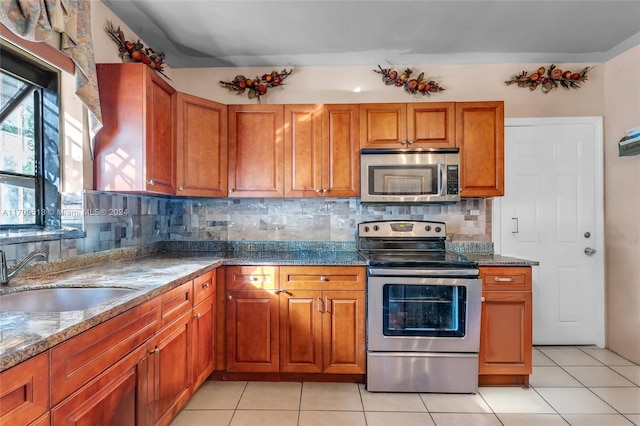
<point x="47" y="125"/>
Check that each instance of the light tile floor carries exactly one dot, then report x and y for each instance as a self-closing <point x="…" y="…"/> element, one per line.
<point x="570" y="385"/>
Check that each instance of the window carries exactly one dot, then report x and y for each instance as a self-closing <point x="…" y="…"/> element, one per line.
<point x="29" y="141"/>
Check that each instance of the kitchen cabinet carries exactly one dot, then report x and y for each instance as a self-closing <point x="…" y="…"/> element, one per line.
<point x="480" y="136"/>
<point x="506" y="325"/>
<point x="115" y="397"/>
<point x="322" y="156"/>
<point x="256" y="151"/>
<point x="322" y="320"/>
<point x="252" y="319"/>
<point x="135" y="150"/>
<point x="295" y="320"/>
<point x="201" y="147"/>
<point x="24" y="391"/>
<point x="412" y="125"/>
<point x="204" y="328"/>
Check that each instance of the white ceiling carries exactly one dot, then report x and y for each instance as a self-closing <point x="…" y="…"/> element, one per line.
<point x="211" y="33"/>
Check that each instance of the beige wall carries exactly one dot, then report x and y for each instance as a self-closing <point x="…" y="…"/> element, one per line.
<point x="622" y="206"/>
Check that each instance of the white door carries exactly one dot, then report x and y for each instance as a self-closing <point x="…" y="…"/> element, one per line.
<point x="552" y="212"/>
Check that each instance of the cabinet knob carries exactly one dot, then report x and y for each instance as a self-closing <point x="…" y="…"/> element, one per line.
<point x="404" y="142"/>
<point x="324" y="191"/>
<point x="197" y="316"/>
<point x="154" y="351"/>
<point x="323" y="279"/>
<point x="151" y="182"/>
<point x="230" y="297"/>
<point x="231" y="189"/>
<point x="482" y="299"/>
<point x="411" y="142"/>
<point x="181" y="188"/>
<point x="318" y="190"/>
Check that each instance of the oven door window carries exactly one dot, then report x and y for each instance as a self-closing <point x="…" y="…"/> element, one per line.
<point x="424" y="310"/>
<point x="404" y="180"/>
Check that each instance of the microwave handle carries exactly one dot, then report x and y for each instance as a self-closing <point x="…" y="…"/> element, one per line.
<point x="441" y="183"/>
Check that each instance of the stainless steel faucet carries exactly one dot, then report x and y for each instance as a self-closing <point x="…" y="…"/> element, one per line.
<point x="7" y="273"/>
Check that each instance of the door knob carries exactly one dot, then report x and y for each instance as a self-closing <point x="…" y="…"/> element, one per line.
<point x="589" y="251"/>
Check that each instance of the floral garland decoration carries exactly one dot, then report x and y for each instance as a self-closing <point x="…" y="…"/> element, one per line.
<point x="257" y="86"/>
<point x="136" y="51"/>
<point x="419" y="85"/>
<point x="554" y="78"/>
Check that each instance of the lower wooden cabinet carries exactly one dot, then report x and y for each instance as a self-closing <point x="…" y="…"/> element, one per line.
<point x="116" y="397"/>
<point x="24" y="391"/>
<point x="170" y="370"/>
<point x="314" y="322"/>
<point x="138" y="368"/>
<point x="204" y="340"/>
<point x="252" y="330"/>
<point x="506" y="326"/>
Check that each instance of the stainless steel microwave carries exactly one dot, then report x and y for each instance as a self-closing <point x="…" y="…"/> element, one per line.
<point x="410" y="176"/>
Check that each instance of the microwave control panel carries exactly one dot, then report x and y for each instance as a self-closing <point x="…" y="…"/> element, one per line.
<point x="453" y="183"/>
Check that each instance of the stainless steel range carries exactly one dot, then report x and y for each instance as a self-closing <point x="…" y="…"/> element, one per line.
<point x="423" y="309"/>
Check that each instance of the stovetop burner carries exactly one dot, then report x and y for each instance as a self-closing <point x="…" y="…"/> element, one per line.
<point x="408" y="244"/>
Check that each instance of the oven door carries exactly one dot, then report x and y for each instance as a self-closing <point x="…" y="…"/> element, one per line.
<point x="423" y="314"/>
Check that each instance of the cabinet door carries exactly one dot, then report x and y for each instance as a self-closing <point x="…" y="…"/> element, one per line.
<point x="256" y="151"/>
<point x="201" y="147"/>
<point x="341" y="151"/>
<point x="252" y="331"/>
<point x="204" y="340"/>
<point x="480" y="136"/>
<point x="344" y="332"/>
<point x="303" y="150"/>
<point x="24" y="391"/>
<point x="161" y="134"/>
<point x="170" y="372"/>
<point x="383" y="125"/>
<point x="505" y="334"/>
<point x="116" y="397"/>
<point x="301" y="314"/>
<point x="135" y="150"/>
<point x="431" y="125"/>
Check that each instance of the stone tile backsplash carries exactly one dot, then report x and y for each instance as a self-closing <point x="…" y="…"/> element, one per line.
<point x="115" y="220"/>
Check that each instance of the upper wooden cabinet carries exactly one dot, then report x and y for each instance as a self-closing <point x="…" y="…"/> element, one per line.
<point x="480" y="137"/>
<point x="414" y="125"/>
<point x="135" y="149"/>
<point x="201" y="155"/>
<point x="321" y="151"/>
<point x="256" y="151"/>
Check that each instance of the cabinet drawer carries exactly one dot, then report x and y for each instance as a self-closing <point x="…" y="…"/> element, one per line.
<point x="252" y="277"/>
<point x="322" y="278"/>
<point x="506" y="278"/>
<point x="175" y="303"/>
<point x="24" y="391"/>
<point x="81" y="358"/>
<point x="204" y="286"/>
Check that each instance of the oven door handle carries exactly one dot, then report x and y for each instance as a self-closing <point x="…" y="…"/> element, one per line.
<point x="404" y="272"/>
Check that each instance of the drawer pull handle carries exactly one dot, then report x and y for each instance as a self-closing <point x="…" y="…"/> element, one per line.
<point x="504" y="279"/>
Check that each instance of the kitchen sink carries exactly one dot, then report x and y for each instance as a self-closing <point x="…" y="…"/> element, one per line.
<point x="60" y="299"/>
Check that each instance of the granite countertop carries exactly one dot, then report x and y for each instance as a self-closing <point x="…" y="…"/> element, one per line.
<point x="488" y="259"/>
<point x="150" y="272"/>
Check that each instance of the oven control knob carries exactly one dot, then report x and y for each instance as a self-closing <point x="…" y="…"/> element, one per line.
<point x="427" y="228"/>
<point x="376" y="228"/>
<point x="366" y="229"/>
<point x="438" y="229"/>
